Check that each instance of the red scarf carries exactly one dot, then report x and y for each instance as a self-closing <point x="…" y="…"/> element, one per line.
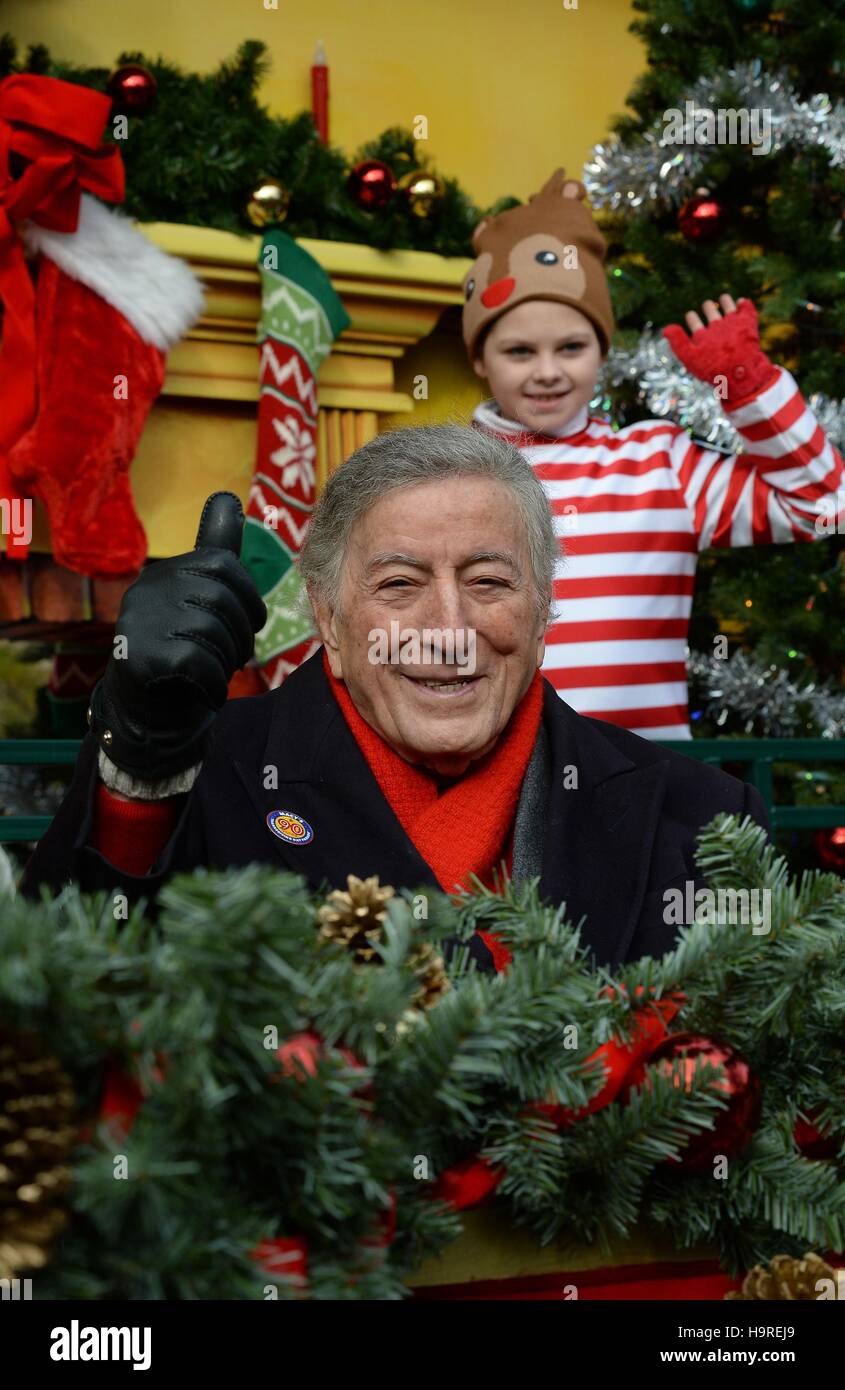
<point x="467" y="827"/>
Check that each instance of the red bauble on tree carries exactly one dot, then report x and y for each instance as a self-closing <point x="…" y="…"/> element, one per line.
<point x="702" y="217"/>
<point x="812" y="1142"/>
<point x="301" y="1053"/>
<point x="622" y="1062"/>
<point x="734" y="1126"/>
<point x="830" y="847"/>
<point x="132" y="89"/>
<point x="371" y="184"/>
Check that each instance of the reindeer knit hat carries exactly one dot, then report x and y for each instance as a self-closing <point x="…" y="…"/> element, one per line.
<point x="549" y="248"/>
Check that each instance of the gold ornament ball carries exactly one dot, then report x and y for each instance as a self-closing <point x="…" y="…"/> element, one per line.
<point x="268" y="203"/>
<point x="423" y="192"/>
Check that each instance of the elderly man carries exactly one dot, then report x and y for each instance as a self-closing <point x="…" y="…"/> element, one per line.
<point x="420" y="742"/>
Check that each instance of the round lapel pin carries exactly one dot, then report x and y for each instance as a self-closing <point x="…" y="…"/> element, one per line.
<point x="290" y="827"/>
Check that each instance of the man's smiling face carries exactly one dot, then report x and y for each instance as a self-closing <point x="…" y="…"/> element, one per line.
<point x="447" y="555"/>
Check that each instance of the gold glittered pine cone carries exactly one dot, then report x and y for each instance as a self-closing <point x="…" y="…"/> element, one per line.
<point x="431" y="970"/>
<point x="355" y="917"/>
<point x="37" y="1133"/>
<point x="785" y="1277"/>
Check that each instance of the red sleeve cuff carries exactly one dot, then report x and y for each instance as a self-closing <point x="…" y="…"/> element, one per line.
<point x="132" y="834"/>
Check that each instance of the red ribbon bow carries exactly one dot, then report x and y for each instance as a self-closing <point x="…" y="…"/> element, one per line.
<point x="57" y="127"/>
<point x="468" y="1183"/>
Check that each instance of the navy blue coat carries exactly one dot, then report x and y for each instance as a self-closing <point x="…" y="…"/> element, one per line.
<point x="610" y="847"/>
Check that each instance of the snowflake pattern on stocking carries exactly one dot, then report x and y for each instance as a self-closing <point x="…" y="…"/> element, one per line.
<point x="296" y="455"/>
<point x="301" y="316"/>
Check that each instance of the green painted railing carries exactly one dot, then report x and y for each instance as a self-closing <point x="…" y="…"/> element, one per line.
<point x="757" y="756"/>
<point x="38" y="752"/>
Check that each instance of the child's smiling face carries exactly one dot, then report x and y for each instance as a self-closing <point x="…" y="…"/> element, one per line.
<point x="541" y="360"/>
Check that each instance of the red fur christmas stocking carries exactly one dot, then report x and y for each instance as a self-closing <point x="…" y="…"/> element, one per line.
<point x="96" y="382"/>
<point x="108" y="305"/>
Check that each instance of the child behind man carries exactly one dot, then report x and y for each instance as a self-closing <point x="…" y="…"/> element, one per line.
<point x="632" y="507"/>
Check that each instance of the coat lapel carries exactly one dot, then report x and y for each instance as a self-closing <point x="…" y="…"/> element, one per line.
<point x="601" y="822"/>
<point x="327" y="781"/>
<point x="324" y="778"/>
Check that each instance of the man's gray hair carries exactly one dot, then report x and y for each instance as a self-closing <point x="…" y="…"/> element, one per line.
<point x="418" y="454"/>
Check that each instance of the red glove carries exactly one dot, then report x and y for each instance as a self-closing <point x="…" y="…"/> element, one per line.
<point x="729" y="349"/>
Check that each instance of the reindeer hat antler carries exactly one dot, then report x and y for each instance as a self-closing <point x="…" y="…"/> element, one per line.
<point x="548" y="248"/>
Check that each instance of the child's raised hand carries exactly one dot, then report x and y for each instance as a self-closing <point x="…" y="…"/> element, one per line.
<point x="726" y="352"/>
<point x="711" y="311"/>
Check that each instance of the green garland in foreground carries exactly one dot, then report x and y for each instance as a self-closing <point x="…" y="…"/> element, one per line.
<point x="226" y="1150"/>
<point x="208" y="141"/>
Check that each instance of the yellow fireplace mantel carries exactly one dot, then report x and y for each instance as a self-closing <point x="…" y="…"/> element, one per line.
<point x="201" y="434"/>
<point x="393" y="299"/>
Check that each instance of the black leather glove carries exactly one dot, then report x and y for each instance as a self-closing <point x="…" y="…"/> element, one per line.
<point x="188" y="623"/>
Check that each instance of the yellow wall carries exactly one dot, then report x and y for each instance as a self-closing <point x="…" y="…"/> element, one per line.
<point x="510" y="88"/>
<point x="453" y="388"/>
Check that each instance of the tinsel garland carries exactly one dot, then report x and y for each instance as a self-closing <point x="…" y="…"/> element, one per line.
<point x="654" y="172"/>
<point x="766" y="700"/>
<point x="668" y="389"/>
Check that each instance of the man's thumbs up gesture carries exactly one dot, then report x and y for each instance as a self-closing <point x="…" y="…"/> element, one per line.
<point x="184" y="627"/>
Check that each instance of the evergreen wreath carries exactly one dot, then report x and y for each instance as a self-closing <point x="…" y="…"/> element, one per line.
<point x="288" y="1085"/>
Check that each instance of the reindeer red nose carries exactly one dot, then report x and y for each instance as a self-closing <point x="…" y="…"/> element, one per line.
<point x="498" y="292"/>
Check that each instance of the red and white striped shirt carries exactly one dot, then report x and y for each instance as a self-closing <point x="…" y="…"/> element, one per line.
<point x="632" y="509"/>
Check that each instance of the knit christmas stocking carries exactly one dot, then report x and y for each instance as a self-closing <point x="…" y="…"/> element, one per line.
<point x="300" y="318"/>
<point x="77" y="667"/>
<point x="108" y="305"/>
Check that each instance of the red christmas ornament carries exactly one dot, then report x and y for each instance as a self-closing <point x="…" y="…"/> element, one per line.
<point x="371" y="184"/>
<point x="385" y="1230"/>
<point x="301" y="1053"/>
<point x="132" y="89"/>
<point x="620" y="1061"/>
<point x="830" y="847"/>
<point x="702" y="217"/>
<point x="284" y="1255"/>
<point x="122" y="1097"/>
<point x="811" y="1142"/>
<point x="467" y="1183"/>
<point x="735" y="1126"/>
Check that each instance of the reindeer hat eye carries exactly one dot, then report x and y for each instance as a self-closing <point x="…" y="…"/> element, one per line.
<point x="468" y="288"/>
<point x="546" y="258"/>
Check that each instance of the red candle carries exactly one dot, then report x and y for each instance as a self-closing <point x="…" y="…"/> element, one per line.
<point x="320" y="93"/>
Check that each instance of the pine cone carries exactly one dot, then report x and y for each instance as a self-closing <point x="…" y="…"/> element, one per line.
<point x="785" y="1277"/>
<point x="431" y="969"/>
<point x="37" y="1105"/>
<point x="355" y="917"/>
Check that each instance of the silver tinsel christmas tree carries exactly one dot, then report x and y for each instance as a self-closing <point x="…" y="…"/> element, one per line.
<point x="765" y="701"/>
<point x="670" y="391"/>
<point x="660" y="170"/>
